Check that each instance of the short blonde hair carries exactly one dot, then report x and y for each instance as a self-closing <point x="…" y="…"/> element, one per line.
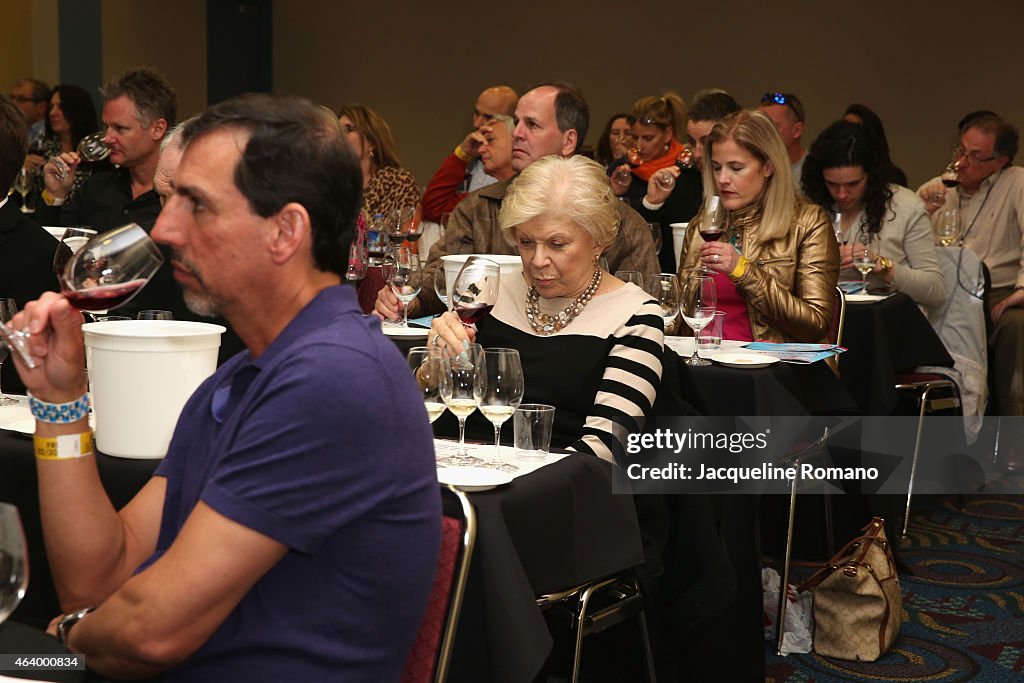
<point x="573" y="188"/>
<point x="754" y="131"/>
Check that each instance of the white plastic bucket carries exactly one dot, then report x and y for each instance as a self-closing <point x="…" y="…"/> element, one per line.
<point x="141" y="373"/>
<point x="508" y="265"/>
<point x="678" y="237"/>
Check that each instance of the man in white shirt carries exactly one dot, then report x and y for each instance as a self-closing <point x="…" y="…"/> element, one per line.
<point x="990" y="199"/>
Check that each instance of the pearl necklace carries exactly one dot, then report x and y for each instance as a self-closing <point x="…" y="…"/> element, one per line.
<point x="544" y="324"/>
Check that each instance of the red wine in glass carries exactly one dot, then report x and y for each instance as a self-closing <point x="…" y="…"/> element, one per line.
<point x="470" y="314"/>
<point x="951" y="182"/>
<point x="104" y="297"/>
<point x="712" y="233"/>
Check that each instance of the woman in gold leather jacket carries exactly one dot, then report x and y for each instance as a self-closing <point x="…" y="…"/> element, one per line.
<point x="777" y="262"/>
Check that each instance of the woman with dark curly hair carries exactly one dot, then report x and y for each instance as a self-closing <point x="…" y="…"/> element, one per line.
<point x="858" y="113"/>
<point x="845" y="171"/>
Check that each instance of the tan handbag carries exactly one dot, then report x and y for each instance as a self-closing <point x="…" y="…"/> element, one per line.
<point x="857" y="599"/>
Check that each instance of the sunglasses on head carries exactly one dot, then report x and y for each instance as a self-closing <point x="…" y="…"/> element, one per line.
<point x="785" y="99"/>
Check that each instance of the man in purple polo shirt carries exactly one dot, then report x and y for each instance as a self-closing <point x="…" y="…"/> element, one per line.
<point x="291" y="533"/>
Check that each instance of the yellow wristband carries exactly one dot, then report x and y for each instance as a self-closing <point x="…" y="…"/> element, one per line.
<point x="741" y="267"/>
<point x="460" y="154"/>
<point x="51" y="200"/>
<point x="64" y="447"/>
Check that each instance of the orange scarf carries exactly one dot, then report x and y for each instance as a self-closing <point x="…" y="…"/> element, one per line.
<point x="648" y="168"/>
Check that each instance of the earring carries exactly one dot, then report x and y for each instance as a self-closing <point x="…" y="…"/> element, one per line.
<point x="666" y="146"/>
<point x="370" y="154"/>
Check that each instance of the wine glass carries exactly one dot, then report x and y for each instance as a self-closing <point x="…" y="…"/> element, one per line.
<point x="402" y="274"/>
<point x="475" y="290"/>
<point x="664" y="287"/>
<point x="655" y="229"/>
<point x="865" y="254"/>
<point x="713" y="223"/>
<point x="665" y="180"/>
<point x="73" y="239"/>
<point x="441" y="287"/>
<point x="463" y="381"/>
<point x="7" y="310"/>
<point x="13" y="560"/>
<point x="427" y="364"/>
<point x="633" y="276"/>
<point x="110" y="269"/>
<point x="155" y="314"/>
<point x="502" y="394"/>
<point x="947" y="226"/>
<point x="698" y="303"/>
<point x="92" y="147"/>
<point x="23" y="185"/>
<point x="837" y="225"/>
<point x="358" y="261"/>
<point x="404" y="224"/>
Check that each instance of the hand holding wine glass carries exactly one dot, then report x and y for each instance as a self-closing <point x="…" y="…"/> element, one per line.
<point x="501" y="395"/>
<point x="699" y="301"/>
<point x="865" y="254"/>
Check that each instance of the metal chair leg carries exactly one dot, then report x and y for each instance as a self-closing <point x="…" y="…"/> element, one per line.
<point x="780" y="622"/>
<point x="913" y="462"/>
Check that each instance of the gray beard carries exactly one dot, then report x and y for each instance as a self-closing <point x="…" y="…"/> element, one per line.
<point x="201" y="304"/>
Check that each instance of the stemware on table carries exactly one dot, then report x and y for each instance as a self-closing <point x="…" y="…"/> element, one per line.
<point x="463" y="380"/>
<point x="475" y="290"/>
<point x="13" y="560"/>
<point x="7" y="310"/>
<point x="441" y="287"/>
<point x="427" y="363"/>
<point x="502" y="394"/>
<point x="404" y="223"/>
<point x="698" y="303"/>
<point x="947" y="226"/>
<point x="664" y="287"/>
<point x="155" y="314"/>
<point x="634" y="276"/>
<point x="865" y="254"/>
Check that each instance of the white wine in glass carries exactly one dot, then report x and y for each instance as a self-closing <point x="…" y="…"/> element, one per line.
<point x="698" y="303"/>
<point x="427" y="365"/>
<point x="462" y="384"/>
<point x="501" y="395"/>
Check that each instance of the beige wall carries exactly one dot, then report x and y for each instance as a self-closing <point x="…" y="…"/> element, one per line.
<point x="170" y="36"/>
<point x="422" y="64"/>
<point x="16" y="47"/>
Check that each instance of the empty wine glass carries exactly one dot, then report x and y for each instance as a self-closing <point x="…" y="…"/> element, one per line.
<point x="634" y="276"/>
<point x="502" y="394"/>
<point x="664" y="287"/>
<point x="13" y="561"/>
<point x="427" y="363"/>
<point x="947" y="226"/>
<point x="665" y="180"/>
<point x="110" y="269"/>
<point x="402" y="273"/>
<point x="93" y="148"/>
<point x="655" y="229"/>
<point x="698" y="303"/>
<point x="865" y="254"/>
<point x="463" y="381"/>
<point x="441" y="287"/>
<point x="7" y="310"/>
<point x="475" y="290"/>
<point x="23" y="185"/>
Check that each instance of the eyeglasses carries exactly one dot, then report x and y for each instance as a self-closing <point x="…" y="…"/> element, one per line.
<point x="786" y="99"/>
<point x="974" y="157"/>
<point x="22" y="99"/>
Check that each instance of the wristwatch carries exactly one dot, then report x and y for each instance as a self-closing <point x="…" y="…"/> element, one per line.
<point x="885" y="263"/>
<point x="69" y="620"/>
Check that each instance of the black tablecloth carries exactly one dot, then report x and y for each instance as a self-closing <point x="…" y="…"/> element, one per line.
<point x="17" y="638"/>
<point x="552" y="529"/>
<point x="883" y="338"/>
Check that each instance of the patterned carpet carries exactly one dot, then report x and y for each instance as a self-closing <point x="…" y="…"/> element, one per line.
<point x="963" y="609"/>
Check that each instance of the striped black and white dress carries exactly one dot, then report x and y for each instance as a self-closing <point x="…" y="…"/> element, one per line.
<point x="605" y="364"/>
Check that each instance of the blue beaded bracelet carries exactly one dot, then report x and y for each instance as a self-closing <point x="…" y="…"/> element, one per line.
<point x="59" y="413"/>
